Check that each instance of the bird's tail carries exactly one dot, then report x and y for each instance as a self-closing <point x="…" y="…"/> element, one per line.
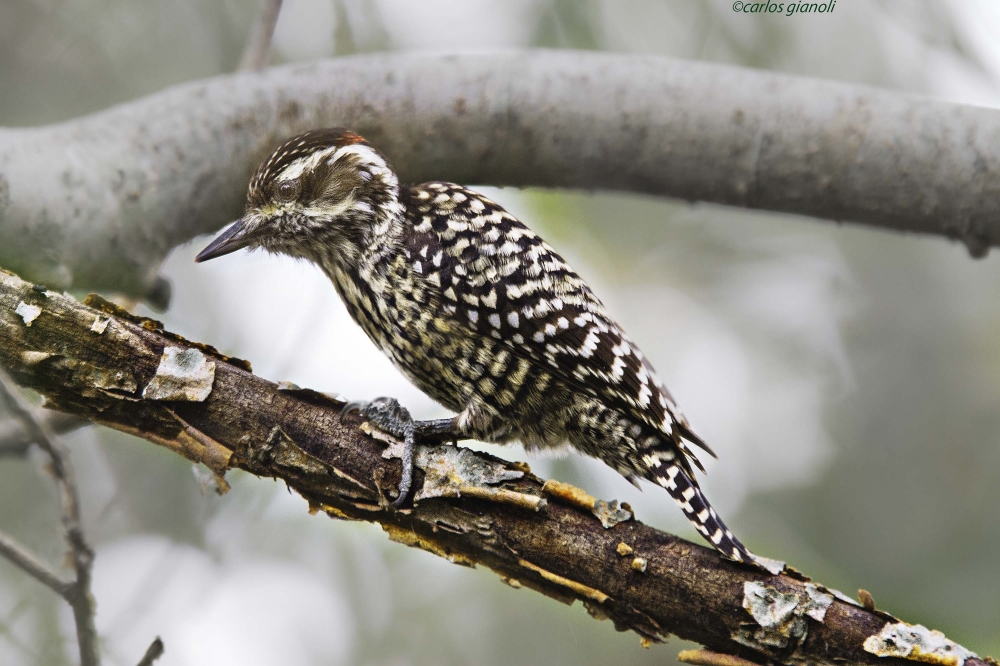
<point x="678" y="482"/>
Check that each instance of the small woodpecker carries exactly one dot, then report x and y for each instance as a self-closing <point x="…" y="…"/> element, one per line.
<point x="477" y="311"/>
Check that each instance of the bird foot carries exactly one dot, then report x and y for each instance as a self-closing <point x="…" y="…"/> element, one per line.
<point x="390" y="417"/>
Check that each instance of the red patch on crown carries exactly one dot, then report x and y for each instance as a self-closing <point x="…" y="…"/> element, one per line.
<point x="349" y="138"/>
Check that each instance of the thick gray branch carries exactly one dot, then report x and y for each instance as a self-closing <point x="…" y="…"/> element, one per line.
<point x="98" y="201"/>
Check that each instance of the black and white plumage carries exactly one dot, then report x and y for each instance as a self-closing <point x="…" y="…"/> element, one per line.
<point x="475" y="309"/>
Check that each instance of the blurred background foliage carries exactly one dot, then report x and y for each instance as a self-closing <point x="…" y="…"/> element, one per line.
<point x="848" y="378"/>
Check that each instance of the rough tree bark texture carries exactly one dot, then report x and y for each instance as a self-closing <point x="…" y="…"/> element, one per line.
<point x="99" y="362"/>
<point x="108" y="195"/>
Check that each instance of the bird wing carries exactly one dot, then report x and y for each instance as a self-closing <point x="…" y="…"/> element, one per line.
<point x="501" y="280"/>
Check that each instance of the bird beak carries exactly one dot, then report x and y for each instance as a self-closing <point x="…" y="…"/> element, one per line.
<point x="232" y="239"/>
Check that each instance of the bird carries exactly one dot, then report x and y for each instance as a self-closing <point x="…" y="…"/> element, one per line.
<point x="476" y="310"/>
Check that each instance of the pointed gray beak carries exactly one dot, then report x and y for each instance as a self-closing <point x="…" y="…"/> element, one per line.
<point x="232" y="239"/>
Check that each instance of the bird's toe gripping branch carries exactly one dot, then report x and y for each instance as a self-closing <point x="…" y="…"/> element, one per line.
<point x="392" y="418"/>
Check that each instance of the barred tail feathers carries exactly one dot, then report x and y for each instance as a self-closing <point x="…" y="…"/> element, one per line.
<point x="692" y="501"/>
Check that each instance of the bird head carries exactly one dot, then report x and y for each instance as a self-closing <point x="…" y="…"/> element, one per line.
<point x="322" y="195"/>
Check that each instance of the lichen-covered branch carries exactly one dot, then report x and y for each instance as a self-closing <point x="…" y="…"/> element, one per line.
<point x="106" y="196"/>
<point x="96" y="361"/>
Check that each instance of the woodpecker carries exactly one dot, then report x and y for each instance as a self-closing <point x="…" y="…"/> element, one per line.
<point x="477" y="311"/>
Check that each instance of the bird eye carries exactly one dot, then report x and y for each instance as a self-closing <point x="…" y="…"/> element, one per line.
<point x="287" y="191"/>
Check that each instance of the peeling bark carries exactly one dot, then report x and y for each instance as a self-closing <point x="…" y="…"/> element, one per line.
<point x="472" y="509"/>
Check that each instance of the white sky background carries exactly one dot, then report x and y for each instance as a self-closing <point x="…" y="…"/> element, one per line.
<point x="721" y="348"/>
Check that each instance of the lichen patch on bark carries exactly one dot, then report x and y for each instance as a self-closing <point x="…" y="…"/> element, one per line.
<point x="917" y="643"/>
<point x="183" y="375"/>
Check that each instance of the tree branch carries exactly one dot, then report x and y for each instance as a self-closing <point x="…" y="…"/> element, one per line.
<point x="259" y="41"/>
<point x="19" y="555"/>
<point x="154" y="652"/>
<point x="15" y="439"/>
<point x="77" y="593"/>
<point x="97" y="361"/>
<point x="108" y="195"/>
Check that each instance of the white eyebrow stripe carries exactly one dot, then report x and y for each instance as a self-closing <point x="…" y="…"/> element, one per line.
<point x="370" y="158"/>
<point x="296" y="168"/>
<point x="375" y="164"/>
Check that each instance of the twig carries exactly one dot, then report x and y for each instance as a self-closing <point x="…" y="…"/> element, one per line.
<point x="77" y="593"/>
<point x="33" y="565"/>
<point x="259" y="41"/>
<point x="154" y="652"/>
<point x="708" y="658"/>
<point x="15" y="439"/>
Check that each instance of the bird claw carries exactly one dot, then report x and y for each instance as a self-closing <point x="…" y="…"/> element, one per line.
<point x="390" y="417"/>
